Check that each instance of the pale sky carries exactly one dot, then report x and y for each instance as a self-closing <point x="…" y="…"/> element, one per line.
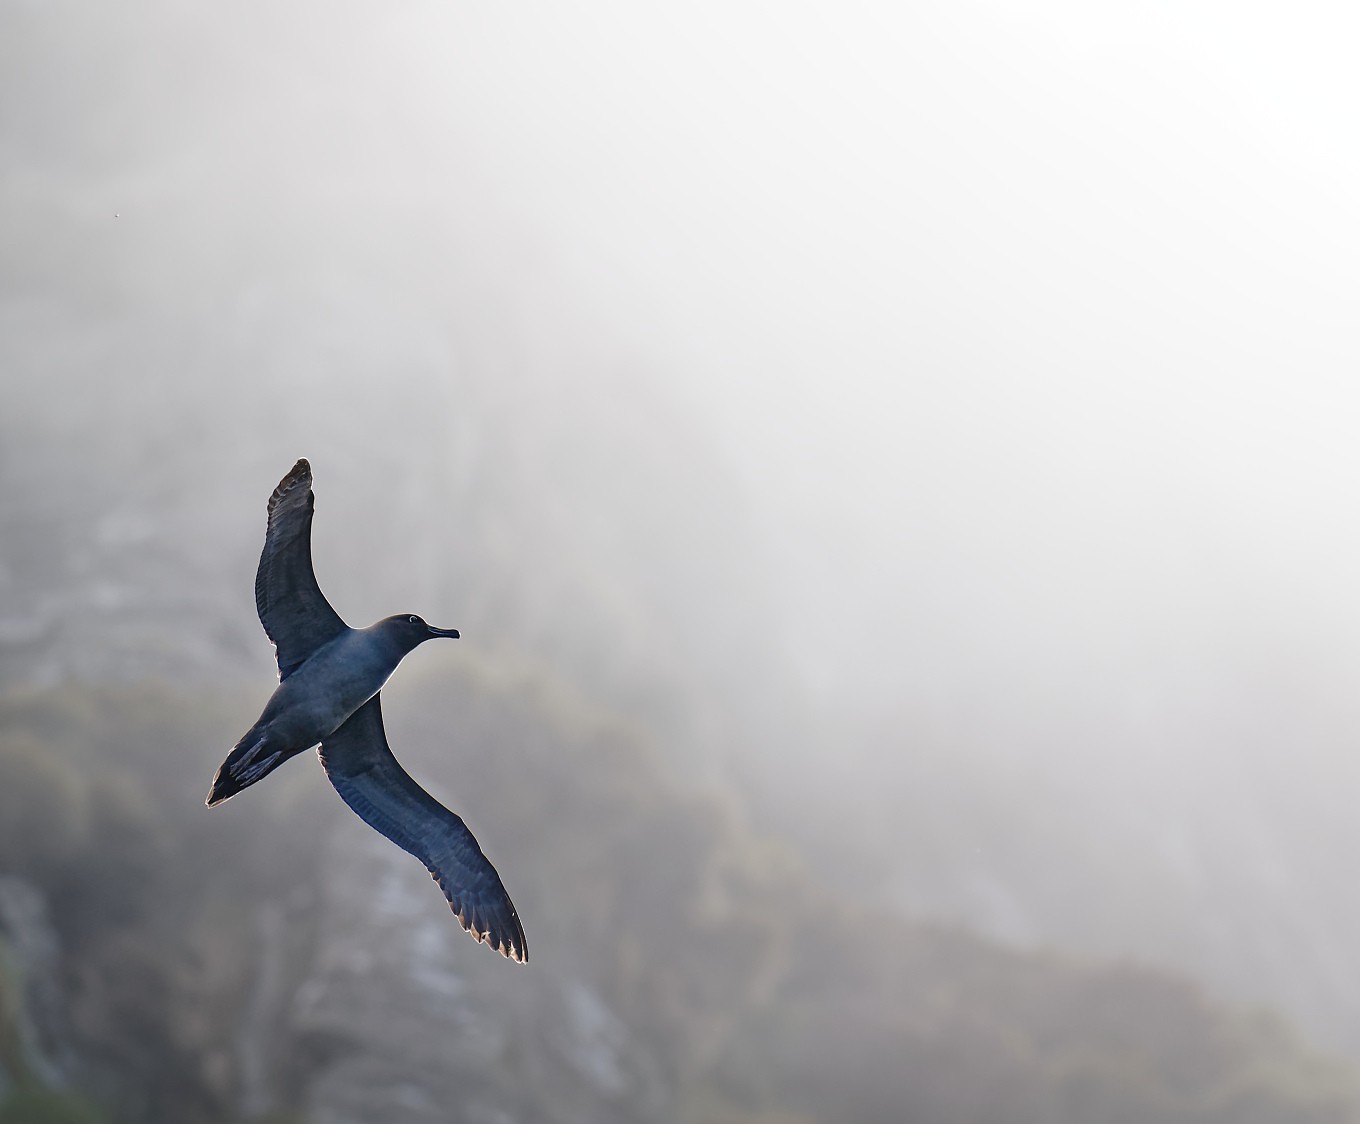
<point x="1018" y="323"/>
<point x="1028" y="303"/>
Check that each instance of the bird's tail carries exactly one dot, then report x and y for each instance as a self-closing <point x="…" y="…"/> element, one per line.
<point x="252" y="759"/>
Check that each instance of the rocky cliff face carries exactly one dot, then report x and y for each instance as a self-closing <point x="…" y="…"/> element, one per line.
<point x="187" y="967"/>
<point x="35" y="1000"/>
<point x="276" y="960"/>
<point x="419" y="1019"/>
<point x="279" y="958"/>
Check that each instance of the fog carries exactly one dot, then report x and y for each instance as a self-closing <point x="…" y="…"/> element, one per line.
<point x="1003" y="317"/>
<point x="931" y="427"/>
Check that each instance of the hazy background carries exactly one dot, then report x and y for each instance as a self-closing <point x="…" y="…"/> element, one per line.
<point x="928" y="429"/>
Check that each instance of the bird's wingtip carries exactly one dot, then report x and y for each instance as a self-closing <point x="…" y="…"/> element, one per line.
<point x="299" y="474"/>
<point x="222" y="789"/>
<point x="512" y="945"/>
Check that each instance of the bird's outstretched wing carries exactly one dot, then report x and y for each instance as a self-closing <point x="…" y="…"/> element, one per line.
<point x="360" y="765"/>
<point x="295" y="613"/>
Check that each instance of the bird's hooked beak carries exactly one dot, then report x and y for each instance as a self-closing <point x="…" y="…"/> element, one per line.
<point x="450" y="632"/>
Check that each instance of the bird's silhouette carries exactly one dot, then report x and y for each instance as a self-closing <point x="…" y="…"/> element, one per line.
<point x="329" y="679"/>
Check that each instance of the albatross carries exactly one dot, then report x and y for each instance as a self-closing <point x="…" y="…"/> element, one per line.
<point x="330" y="676"/>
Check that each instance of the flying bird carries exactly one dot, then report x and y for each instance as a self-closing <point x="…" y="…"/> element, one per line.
<point x="330" y="676"/>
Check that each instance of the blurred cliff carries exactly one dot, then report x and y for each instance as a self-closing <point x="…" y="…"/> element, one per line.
<point x="832" y="819"/>
<point x="278" y="961"/>
<point x="275" y="960"/>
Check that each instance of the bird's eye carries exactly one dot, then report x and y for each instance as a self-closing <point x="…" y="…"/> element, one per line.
<point x="414" y="620"/>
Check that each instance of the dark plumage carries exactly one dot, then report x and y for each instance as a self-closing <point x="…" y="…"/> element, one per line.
<point x="329" y="679"/>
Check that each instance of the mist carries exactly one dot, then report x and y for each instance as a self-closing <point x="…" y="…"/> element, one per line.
<point x="924" y="435"/>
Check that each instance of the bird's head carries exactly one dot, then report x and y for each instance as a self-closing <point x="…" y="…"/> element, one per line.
<point x="407" y="630"/>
